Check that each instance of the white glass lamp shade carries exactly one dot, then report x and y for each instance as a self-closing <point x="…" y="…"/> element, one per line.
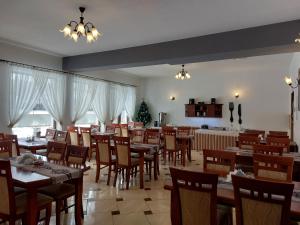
<point x="89" y="37"/>
<point x="80" y="28"/>
<point x="288" y="80"/>
<point x="95" y="33"/>
<point x="67" y="30"/>
<point x="75" y="36"/>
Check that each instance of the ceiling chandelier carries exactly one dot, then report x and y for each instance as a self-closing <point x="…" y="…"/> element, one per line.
<point x="74" y="30"/>
<point x="182" y="74"/>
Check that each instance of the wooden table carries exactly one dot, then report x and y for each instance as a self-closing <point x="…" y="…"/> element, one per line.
<point x="226" y="196"/>
<point x="33" y="146"/>
<point x="31" y="181"/>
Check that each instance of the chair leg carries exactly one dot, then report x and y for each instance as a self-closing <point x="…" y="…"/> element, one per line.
<point x="12" y="222"/>
<point x="57" y="209"/>
<point x="48" y="214"/>
<point x="116" y="176"/>
<point x="66" y="206"/>
<point x="97" y="173"/>
<point x="150" y="166"/>
<point x="109" y="174"/>
<point x="174" y="158"/>
<point x="127" y="178"/>
<point x="157" y="165"/>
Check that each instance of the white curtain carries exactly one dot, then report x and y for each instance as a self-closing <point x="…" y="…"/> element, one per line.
<point x="54" y="96"/>
<point x="130" y="102"/>
<point x="117" y="101"/>
<point x="26" y="86"/>
<point x="99" y="103"/>
<point x="84" y="91"/>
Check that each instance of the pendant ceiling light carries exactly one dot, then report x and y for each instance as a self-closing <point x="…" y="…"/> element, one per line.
<point x="182" y="74"/>
<point x="74" y="30"/>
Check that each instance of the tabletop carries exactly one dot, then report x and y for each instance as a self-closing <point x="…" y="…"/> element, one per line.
<point x="40" y="142"/>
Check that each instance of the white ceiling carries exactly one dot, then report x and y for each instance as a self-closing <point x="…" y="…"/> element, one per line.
<point x="126" y="23"/>
<point x="221" y="66"/>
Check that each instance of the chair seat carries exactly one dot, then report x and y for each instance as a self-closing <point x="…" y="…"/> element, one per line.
<point x="41" y="152"/>
<point x="58" y="191"/>
<point x="19" y="190"/>
<point x="21" y="202"/>
<point x="149" y="157"/>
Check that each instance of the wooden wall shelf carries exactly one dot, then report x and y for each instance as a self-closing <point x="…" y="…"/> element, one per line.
<point x="204" y="110"/>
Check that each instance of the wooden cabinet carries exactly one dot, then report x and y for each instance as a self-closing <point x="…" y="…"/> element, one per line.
<point x="204" y="110"/>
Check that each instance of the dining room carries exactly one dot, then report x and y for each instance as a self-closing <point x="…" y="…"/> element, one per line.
<point x="149" y="113"/>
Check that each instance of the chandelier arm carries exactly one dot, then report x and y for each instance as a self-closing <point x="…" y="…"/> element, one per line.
<point x="87" y="25"/>
<point x="73" y="22"/>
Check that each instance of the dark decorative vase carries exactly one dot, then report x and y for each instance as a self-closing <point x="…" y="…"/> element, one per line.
<point x="231" y="108"/>
<point x="240" y="113"/>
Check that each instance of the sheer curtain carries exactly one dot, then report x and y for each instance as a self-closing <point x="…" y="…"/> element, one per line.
<point x="99" y="103"/>
<point x="25" y="88"/>
<point x="84" y="91"/>
<point x="54" y="96"/>
<point x="117" y="101"/>
<point x="130" y="102"/>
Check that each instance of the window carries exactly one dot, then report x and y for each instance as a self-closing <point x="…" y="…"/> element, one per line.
<point x="37" y="120"/>
<point x="88" y="119"/>
<point x="124" y="117"/>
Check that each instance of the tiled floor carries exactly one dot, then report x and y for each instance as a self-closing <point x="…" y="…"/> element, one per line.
<point x="106" y="205"/>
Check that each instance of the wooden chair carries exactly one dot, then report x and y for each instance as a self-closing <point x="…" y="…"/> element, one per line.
<point x="278" y="133"/>
<point x="261" y="202"/>
<point x="56" y="152"/>
<point x="2" y="136"/>
<point x="104" y="156"/>
<point x="137" y="136"/>
<point x="268" y="149"/>
<point x="61" y="136"/>
<point x="50" y="134"/>
<point x="170" y="146"/>
<point x="87" y="141"/>
<point x="124" y="130"/>
<point x="257" y="132"/>
<point x="74" y="135"/>
<point x="138" y="124"/>
<point x="218" y="161"/>
<point x="75" y="157"/>
<point x="152" y="136"/>
<point x="117" y="130"/>
<point x="5" y="148"/>
<point x="14" y="207"/>
<point x="247" y="142"/>
<point x="194" y="198"/>
<point x="281" y="142"/>
<point x="274" y="168"/>
<point x="183" y="130"/>
<point x="124" y="159"/>
<point x="110" y="129"/>
<point x="15" y="144"/>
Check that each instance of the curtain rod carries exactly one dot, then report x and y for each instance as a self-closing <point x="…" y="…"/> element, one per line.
<point x="64" y="72"/>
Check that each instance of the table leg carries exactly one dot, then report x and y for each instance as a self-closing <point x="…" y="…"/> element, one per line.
<point x="189" y="153"/>
<point x="155" y="165"/>
<point x="78" y="200"/>
<point x="32" y="207"/>
<point x="142" y="169"/>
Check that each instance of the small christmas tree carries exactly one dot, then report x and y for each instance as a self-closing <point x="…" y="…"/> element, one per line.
<point x="143" y="114"/>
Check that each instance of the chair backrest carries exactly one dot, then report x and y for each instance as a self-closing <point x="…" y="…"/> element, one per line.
<point x="270" y="167"/>
<point x="183" y="130"/>
<point x="56" y="151"/>
<point x="5" y="148"/>
<point x="138" y="124"/>
<point x="76" y="156"/>
<point x="103" y="149"/>
<point x="257" y="132"/>
<point x="124" y="130"/>
<point x="74" y="137"/>
<point x="122" y="146"/>
<point x="117" y="129"/>
<point x="218" y="161"/>
<point x="152" y="136"/>
<point x="279" y="141"/>
<point x="50" y="134"/>
<point x="72" y="128"/>
<point x="247" y="142"/>
<point x="268" y="149"/>
<point x="170" y="139"/>
<point x="196" y="194"/>
<point x="261" y="202"/>
<point x="94" y="128"/>
<point x="15" y="144"/>
<point x="86" y="136"/>
<point x="278" y="133"/>
<point x="7" y="203"/>
<point x="61" y="136"/>
<point x="137" y="136"/>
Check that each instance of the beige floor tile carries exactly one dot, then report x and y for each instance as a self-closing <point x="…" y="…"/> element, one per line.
<point x="131" y="219"/>
<point x="103" y="205"/>
<point x="99" y="219"/>
<point x="159" y="206"/>
<point x="132" y="206"/>
<point x="156" y="194"/>
<point x="159" y="219"/>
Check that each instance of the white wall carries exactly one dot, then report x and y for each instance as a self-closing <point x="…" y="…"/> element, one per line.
<point x="293" y="72"/>
<point x="22" y="55"/>
<point x="259" y="80"/>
